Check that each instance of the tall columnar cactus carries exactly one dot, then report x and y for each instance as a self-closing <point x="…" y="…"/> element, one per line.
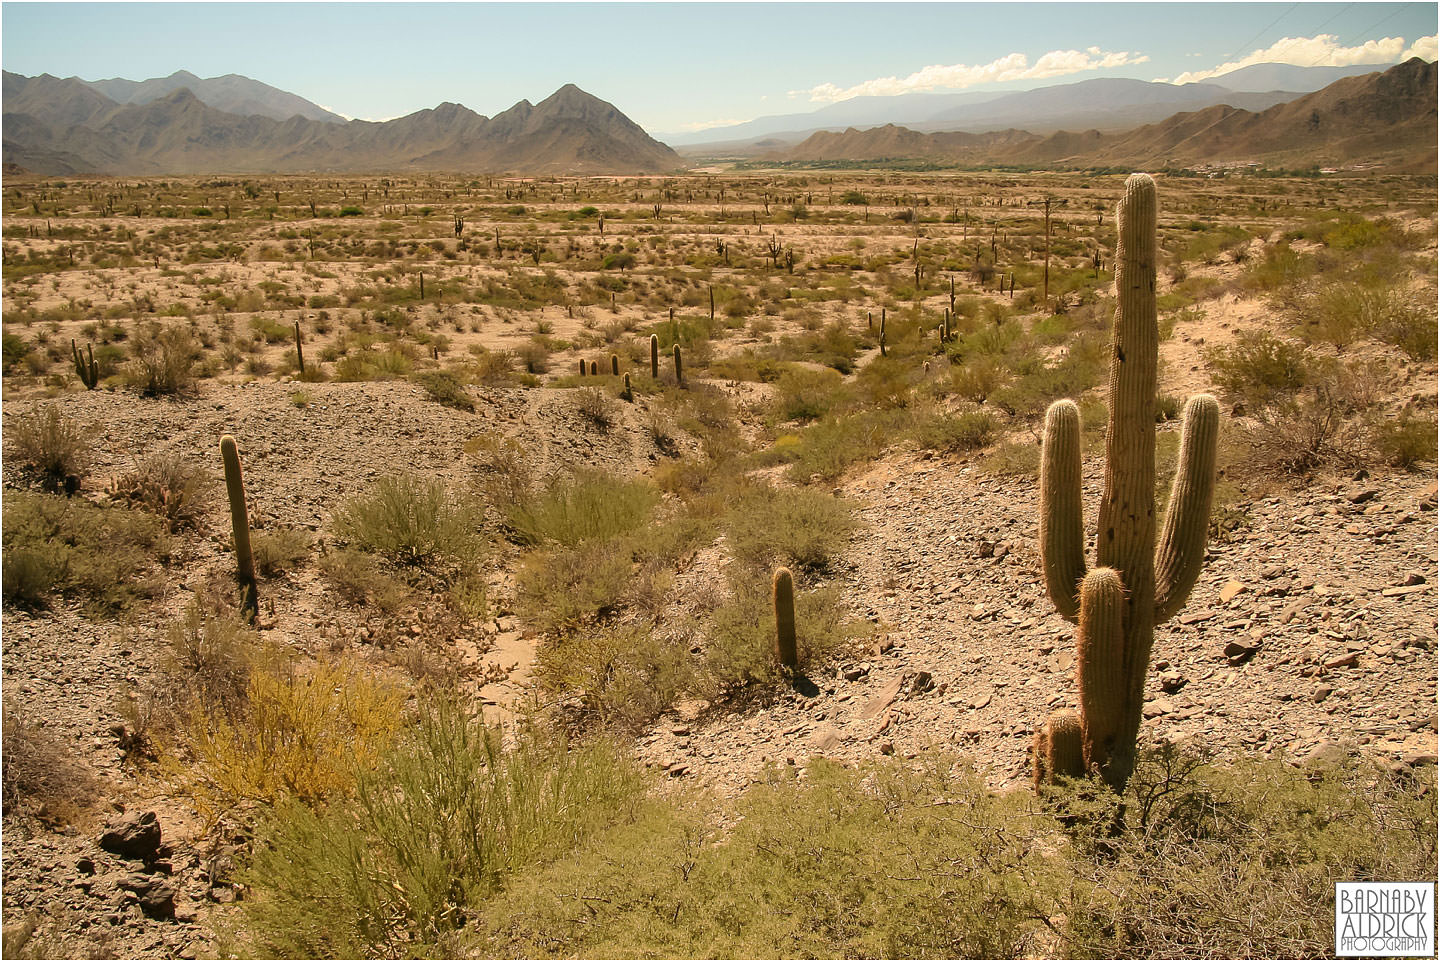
<point x="88" y="370"/>
<point x="299" y="349"/>
<point x="582" y="367"/>
<point x="655" y="357"/>
<point x="240" y="525"/>
<point x="782" y="593"/>
<point x="1136" y="583"/>
<point x="595" y="368"/>
<point x="615" y="364"/>
<point x="679" y="371"/>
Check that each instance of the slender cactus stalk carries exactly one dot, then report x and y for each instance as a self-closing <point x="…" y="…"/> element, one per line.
<point x="240" y="525"/>
<point x="783" y="600"/>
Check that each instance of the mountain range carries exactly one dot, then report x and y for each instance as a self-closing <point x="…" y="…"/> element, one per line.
<point x="1387" y="117"/>
<point x="68" y="126"/>
<point x="184" y="124"/>
<point x="1101" y="103"/>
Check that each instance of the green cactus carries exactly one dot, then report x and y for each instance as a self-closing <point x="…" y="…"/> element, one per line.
<point x="615" y="364"/>
<point x="299" y="350"/>
<point x="88" y="371"/>
<point x="595" y="368"/>
<point x="679" y="371"/>
<point x="654" y="357"/>
<point x="783" y="598"/>
<point x="1136" y="583"/>
<point x="628" y="394"/>
<point x="240" y="524"/>
<point x="1056" y="748"/>
<point x="582" y="367"/>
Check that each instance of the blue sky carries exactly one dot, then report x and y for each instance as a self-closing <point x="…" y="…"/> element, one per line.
<point x="673" y="67"/>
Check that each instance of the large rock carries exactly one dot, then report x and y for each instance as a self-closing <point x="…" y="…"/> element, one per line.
<point x="134" y="836"/>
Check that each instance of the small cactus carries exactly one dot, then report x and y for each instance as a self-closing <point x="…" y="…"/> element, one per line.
<point x="628" y="394"/>
<point x="88" y="370"/>
<point x="615" y="364"/>
<point x="783" y="599"/>
<point x="240" y="525"/>
<point x="1056" y="749"/>
<point x="1136" y="583"/>
<point x="595" y="368"/>
<point x="654" y="357"/>
<point x="679" y="371"/>
<point x="299" y="350"/>
<point x="582" y="367"/>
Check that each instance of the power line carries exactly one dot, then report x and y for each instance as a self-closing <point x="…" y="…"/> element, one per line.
<point x="1242" y="48"/>
<point x="1359" y="36"/>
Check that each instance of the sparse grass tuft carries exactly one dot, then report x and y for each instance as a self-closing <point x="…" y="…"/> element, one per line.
<point x="50" y="447"/>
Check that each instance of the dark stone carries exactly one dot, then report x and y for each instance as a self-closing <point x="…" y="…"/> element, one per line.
<point x="135" y="836"/>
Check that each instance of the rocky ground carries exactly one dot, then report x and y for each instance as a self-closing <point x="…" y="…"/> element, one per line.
<point x="1313" y="628"/>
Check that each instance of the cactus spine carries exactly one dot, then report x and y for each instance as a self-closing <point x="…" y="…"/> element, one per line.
<point x="655" y="357"/>
<point x="1136" y="583"/>
<point x="679" y="371"/>
<point x="88" y="370"/>
<point x="783" y="598"/>
<point x="240" y="524"/>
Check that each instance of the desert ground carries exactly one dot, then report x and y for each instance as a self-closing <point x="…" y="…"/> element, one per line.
<point x="444" y="507"/>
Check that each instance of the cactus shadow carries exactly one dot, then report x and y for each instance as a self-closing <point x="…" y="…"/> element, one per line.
<point x="802" y="684"/>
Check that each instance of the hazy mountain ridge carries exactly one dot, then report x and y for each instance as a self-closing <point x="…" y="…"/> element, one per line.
<point x="231" y="93"/>
<point x="1102" y="102"/>
<point x="1378" y="117"/>
<point x="66" y="127"/>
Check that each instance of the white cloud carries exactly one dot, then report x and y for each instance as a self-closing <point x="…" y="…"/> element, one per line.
<point x="1015" y="66"/>
<point x="1323" y="50"/>
<point x="1424" y="48"/>
<point x="708" y="124"/>
<point x="335" y="112"/>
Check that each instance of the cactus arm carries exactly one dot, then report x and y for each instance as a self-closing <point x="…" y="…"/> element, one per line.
<point x="783" y="600"/>
<point x="1100" y="668"/>
<point x="1181" y="548"/>
<point x="1062" y="525"/>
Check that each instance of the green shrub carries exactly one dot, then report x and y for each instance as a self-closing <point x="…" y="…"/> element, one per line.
<point x="447" y="820"/>
<point x="1260" y="368"/>
<point x="446" y="388"/>
<point x="414" y="520"/>
<point x="624" y="675"/>
<point x="586" y="506"/>
<point x="795" y="527"/>
<point x="740" y="635"/>
<point x="50" y="447"/>
<point x="1200" y="837"/>
<point x="964" y="431"/>
<point x="162" y="361"/>
<point x="360" y="579"/>
<point x="277" y="550"/>
<point x="1406" y="441"/>
<point x="55" y="545"/>
<point x="830" y="446"/>
<point x="879" y="862"/>
<point x="804" y="395"/>
<point x="564" y="589"/>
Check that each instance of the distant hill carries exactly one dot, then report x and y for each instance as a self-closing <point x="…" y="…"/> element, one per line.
<point x="1283" y="76"/>
<point x="66" y="127"/>
<point x="1385" y="117"/>
<point x="231" y="93"/>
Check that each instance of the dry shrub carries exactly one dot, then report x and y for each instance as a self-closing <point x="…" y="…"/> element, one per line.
<point x="162" y="361"/>
<point x="168" y="486"/>
<point x="42" y="778"/>
<point x="50" y="447"/>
